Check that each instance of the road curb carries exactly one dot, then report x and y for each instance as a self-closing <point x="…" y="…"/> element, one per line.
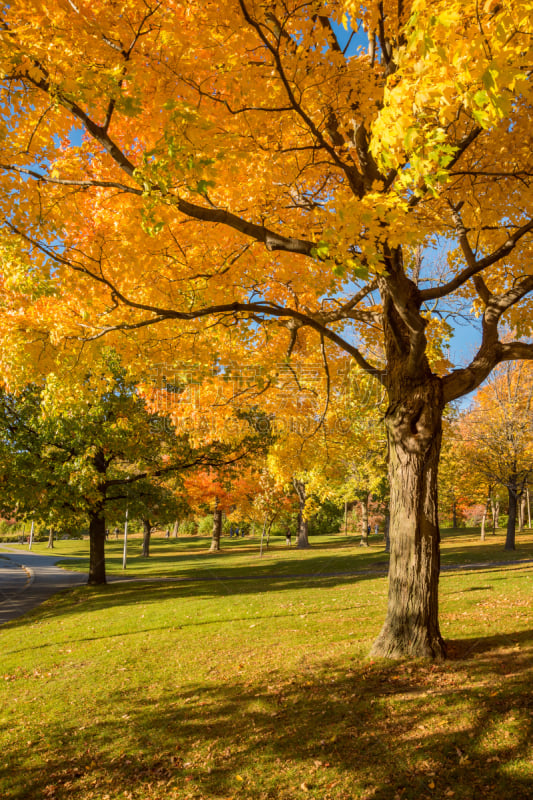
<point x="30" y="579"/>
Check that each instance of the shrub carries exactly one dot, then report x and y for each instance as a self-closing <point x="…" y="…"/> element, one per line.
<point x="205" y="525"/>
<point x="187" y="527"/>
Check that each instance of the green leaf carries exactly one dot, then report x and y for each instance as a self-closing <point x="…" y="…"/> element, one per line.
<point x="202" y="186"/>
<point x="321" y="250"/>
<point x="130" y="106"/>
<point x="488" y="78"/>
<point x="481" y="98"/>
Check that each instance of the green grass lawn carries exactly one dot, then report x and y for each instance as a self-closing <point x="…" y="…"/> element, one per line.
<point x="240" y="689"/>
<point x="189" y="556"/>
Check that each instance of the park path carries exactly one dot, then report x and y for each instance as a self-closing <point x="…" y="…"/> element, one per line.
<point x="28" y="579"/>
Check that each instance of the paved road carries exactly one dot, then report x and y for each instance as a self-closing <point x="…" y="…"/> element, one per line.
<point x="27" y="579"/>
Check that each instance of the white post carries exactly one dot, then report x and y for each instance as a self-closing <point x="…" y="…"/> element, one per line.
<point x="31" y="536"/>
<point x="125" y="541"/>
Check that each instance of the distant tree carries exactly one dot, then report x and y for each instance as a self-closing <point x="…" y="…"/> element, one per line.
<point x="93" y="453"/>
<point x="498" y="435"/>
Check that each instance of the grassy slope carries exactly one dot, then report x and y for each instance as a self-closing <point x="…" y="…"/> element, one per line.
<point x="219" y="689"/>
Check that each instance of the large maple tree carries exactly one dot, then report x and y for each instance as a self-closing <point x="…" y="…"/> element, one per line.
<point x="231" y="179"/>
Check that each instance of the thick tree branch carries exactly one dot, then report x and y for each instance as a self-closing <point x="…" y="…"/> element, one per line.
<point x="263" y="309"/>
<point x="499" y="304"/>
<point x="516" y="351"/>
<point x="271" y="240"/>
<point x="462" y="381"/>
<point x="260" y="233"/>
<point x="491" y="351"/>
<point x="463" y="145"/>
<point x="83" y="184"/>
<point x="259" y="311"/>
<point x="474" y="267"/>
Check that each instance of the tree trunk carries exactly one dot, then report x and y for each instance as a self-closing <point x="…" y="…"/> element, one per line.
<point x="414" y="428"/>
<point x="522" y="511"/>
<point x="147" y="532"/>
<point x="175" y="529"/>
<point x="50" y="544"/>
<point x="386" y="532"/>
<point x="364" y="521"/>
<point x="484" y="518"/>
<point x="454" y="513"/>
<point x="303" y="524"/>
<point x="511" y="520"/>
<point x="269" y="531"/>
<point x="217" y="528"/>
<point x="495" y="515"/>
<point x="303" y="532"/>
<point x="262" y="538"/>
<point x="97" y="548"/>
<point x="346" y="518"/>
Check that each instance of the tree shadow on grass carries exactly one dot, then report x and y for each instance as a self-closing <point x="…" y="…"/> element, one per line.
<point x="502" y="648"/>
<point x="119" y="594"/>
<point x="375" y="730"/>
<point x="231" y="562"/>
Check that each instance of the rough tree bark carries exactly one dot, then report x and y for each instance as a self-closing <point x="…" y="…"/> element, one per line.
<point x="414" y="428"/>
<point x="217" y="527"/>
<point x="303" y="524"/>
<point x="50" y="544"/>
<point x="147" y="532"/>
<point x="97" y="547"/>
<point x="386" y="531"/>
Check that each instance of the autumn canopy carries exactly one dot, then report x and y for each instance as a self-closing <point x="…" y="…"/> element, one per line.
<point x="251" y="182"/>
